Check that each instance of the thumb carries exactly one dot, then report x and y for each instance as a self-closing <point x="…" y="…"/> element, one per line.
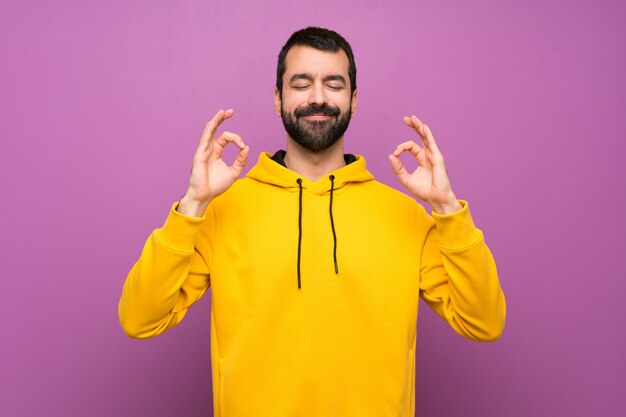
<point x="398" y="168"/>
<point x="241" y="161"/>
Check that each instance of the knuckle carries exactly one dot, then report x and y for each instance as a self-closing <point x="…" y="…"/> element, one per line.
<point x="230" y="136"/>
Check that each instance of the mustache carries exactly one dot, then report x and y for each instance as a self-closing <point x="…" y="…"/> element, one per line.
<point x="317" y="110"/>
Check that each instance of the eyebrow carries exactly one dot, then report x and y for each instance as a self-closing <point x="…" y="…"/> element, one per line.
<point x="309" y="77"/>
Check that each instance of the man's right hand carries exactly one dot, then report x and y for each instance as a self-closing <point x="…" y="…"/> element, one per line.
<point x="210" y="175"/>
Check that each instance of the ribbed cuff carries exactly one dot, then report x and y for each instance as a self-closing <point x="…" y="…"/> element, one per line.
<point x="179" y="231"/>
<point x="456" y="230"/>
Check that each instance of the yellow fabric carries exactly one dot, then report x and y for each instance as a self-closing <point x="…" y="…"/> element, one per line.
<point x="343" y="344"/>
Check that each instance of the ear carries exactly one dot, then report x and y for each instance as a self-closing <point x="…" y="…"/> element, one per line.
<point x="353" y="106"/>
<point x="277" y="101"/>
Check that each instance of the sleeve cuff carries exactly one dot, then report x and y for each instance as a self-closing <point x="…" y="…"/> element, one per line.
<point x="179" y="231"/>
<point x="457" y="230"/>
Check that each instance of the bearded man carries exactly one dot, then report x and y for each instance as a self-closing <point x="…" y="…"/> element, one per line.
<point x="316" y="268"/>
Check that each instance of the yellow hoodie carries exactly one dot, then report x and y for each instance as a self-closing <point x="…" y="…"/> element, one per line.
<point x="314" y="305"/>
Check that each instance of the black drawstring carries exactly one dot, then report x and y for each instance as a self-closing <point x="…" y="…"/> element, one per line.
<point x="332" y="225"/>
<point x="299" y="181"/>
<point x="332" y="222"/>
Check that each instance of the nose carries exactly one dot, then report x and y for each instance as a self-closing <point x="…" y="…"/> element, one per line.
<point x="317" y="95"/>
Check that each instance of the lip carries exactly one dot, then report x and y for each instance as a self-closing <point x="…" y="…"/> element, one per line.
<point x="317" y="117"/>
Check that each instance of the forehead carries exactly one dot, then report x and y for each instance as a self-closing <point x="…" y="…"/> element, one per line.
<point x="304" y="59"/>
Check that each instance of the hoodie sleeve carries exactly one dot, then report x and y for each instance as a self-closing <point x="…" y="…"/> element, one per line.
<point x="171" y="275"/>
<point x="459" y="280"/>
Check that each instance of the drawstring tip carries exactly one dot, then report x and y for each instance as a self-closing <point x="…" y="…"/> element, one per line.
<point x="336" y="268"/>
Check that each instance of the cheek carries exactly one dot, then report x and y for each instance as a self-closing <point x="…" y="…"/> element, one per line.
<point x="292" y="101"/>
<point x="343" y="102"/>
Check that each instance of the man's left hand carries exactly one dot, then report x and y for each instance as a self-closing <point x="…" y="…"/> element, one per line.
<point x="429" y="182"/>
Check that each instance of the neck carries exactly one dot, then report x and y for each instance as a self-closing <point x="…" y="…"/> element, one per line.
<point x="314" y="165"/>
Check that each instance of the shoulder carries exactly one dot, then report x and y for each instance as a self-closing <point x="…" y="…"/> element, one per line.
<point x="398" y="201"/>
<point x="389" y="194"/>
<point x="244" y="194"/>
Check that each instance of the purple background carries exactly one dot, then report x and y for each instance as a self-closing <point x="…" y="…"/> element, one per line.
<point x="103" y="103"/>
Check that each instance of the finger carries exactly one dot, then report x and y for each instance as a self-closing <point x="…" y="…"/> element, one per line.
<point x="430" y="140"/>
<point x="398" y="168"/>
<point x="416" y="124"/>
<point x="229" y="137"/>
<point x="203" y="151"/>
<point x="424" y="131"/>
<point x="215" y="152"/>
<point x="214" y="123"/>
<point x="225" y="114"/>
<point x="419" y="127"/>
<point x="210" y="127"/>
<point x="409" y="146"/>
<point x="207" y="134"/>
<point x="241" y="161"/>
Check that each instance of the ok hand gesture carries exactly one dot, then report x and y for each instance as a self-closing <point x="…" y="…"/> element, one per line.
<point x="210" y="175"/>
<point x="429" y="182"/>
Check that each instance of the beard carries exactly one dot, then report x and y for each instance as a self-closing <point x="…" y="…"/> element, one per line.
<point x="316" y="135"/>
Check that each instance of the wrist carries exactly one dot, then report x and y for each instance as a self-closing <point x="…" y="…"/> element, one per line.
<point x="191" y="207"/>
<point x="452" y="206"/>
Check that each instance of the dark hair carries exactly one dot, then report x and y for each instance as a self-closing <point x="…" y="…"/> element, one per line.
<point x="320" y="39"/>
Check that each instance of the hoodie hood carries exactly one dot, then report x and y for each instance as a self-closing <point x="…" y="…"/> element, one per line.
<point x="271" y="170"/>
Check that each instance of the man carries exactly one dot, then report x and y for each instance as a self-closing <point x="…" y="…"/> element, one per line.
<point x="315" y="267"/>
